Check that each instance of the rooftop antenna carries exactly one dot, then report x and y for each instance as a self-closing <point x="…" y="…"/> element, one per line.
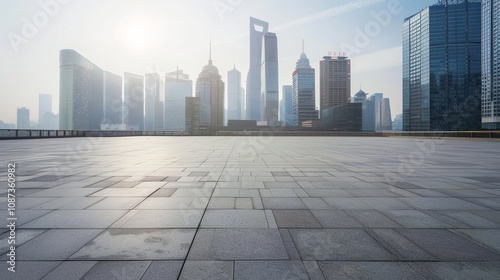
<point x="302" y="45"/>
<point x="210" y="50"/>
<point x="177" y="72"/>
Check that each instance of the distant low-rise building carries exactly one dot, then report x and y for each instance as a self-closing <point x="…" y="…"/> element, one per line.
<point x="23" y="118"/>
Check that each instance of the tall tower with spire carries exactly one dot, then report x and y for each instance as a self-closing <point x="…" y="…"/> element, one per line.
<point x="210" y="90"/>
<point x="303" y="94"/>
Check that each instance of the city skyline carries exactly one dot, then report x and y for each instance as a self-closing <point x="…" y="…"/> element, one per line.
<point x="101" y="41"/>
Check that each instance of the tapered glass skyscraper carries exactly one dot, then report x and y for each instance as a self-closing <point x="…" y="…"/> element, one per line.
<point x="269" y="97"/>
<point x="442" y="67"/>
<point x="258" y="29"/>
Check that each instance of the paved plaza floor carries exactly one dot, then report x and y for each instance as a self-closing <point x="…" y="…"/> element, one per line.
<point x="253" y="208"/>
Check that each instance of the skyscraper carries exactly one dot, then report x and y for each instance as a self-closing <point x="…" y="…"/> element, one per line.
<point x="286" y="105"/>
<point x="385" y="119"/>
<point x="368" y="110"/>
<point x="178" y="86"/>
<point x="80" y="92"/>
<point x="377" y="98"/>
<point x="192" y="115"/>
<point x="153" y="110"/>
<point x="334" y="81"/>
<point x="490" y="64"/>
<point x="269" y="97"/>
<point x="233" y="94"/>
<point x="133" y="100"/>
<point x="23" y="118"/>
<point x="210" y="90"/>
<point x="258" y="29"/>
<point x="44" y="110"/>
<point x="442" y="67"/>
<point x="304" y="96"/>
<point x="113" y="104"/>
<point x="243" y="104"/>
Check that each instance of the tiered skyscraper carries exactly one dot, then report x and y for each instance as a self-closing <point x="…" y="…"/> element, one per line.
<point x="442" y="67"/>
<point x="304" y="99"/>
<point x="133" y="112"/>
<point x="210" y="90"/>
<point x="234" y="94"/>
<point x="80" y="92"/>
<point x="178" y="86"/>
<point x="334" y="81"/>
<point x="490" y="64"/>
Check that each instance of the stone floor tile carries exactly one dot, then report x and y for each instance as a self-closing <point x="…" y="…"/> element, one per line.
<point x="165" y="270"/>
<point x="55" y="244"/>
<point x="256" y="270"/>
<point x="138" y="244"/>
<point x="371" y="270"/>
<point x="338" y="244"/>
<point x="234" y="219"/>
<point x="207" y="270"/>
<point x="295" y="219"/>
<point x="164" y="219"/>
<point x="447" y="246"/>
<point x="70" y="270"/>
<point x="106" y="270"/>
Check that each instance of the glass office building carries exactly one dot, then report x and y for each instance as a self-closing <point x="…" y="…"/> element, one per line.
<point x="442" y="67"/>
<point x="304" y="99"/>
<point x="286" y="105"/>
<point x="270" y="86"/>
<point x="490" y="52"/>
<point x="133" y="97"/>
<point x="178" y="86"/>
<point x="258" y="29"/>
<point x="113" y="104"/>
<point x="234" y="94"/>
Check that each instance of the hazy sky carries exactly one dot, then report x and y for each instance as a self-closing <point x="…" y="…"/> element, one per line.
<point x="159" y="35"/>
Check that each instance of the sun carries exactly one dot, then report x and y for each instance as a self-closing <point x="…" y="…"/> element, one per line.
<point x="139" y="34"/>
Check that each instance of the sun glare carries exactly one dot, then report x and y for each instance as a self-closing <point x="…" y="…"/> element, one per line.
<point x="139" y="34"/>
